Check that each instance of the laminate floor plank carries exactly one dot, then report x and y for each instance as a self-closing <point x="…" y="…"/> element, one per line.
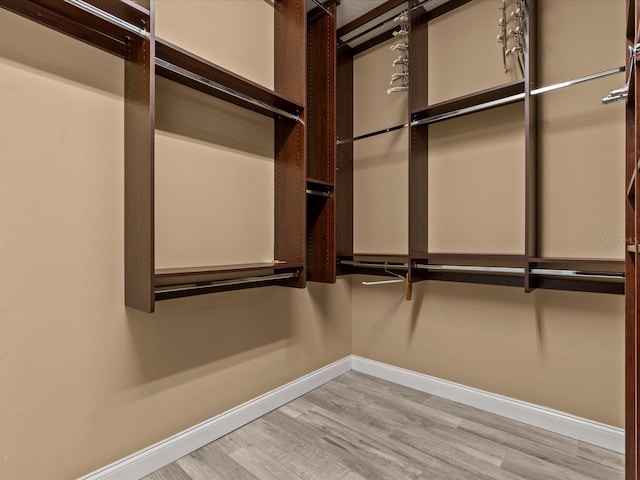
<point x="170" y="472"/>
<point x="358" y="427"/>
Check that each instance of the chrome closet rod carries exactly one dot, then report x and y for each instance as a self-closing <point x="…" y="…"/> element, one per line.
<point x="319" y="4"/>
<point x="320" y="193"/>
<point x="210" y="83"/>
<point x="576" y="273"/>
<point x="493" y="103"/>
<point x="390" y="266"/>
<point x="470" y="268"/>
<point x="87" y="7"/>
<point x="471" y="109"/>
<point x="372" y="134"/>
<point x="518" y="97"/>
<point x="228" y="283"/>
<point x="576" y="81"/>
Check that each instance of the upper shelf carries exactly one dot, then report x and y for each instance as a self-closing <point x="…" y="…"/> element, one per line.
<point x="106" y="24"/>
<point x="474" y="102"/>
<point x="183" y="67"/>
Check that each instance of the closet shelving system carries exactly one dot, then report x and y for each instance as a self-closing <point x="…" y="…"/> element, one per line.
<point x="313" y="147"/>
<point x="126" y="29"/>
<point x="529" y="270"/>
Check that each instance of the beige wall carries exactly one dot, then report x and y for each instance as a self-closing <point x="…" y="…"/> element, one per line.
<point x="581" y="141"/>
<point x="218" y="31"/>
<point x="559" y="349"/>
<point x="86" y="381"/>
<point x="563" y="350"/>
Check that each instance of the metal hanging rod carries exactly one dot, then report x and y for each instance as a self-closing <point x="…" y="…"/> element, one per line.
<point x="576" y="81"/>
<point x="471" y="268"/>
<point x="393" y="266"/>
<point x="372" y="134"/>
<point x="87" y="7"/>
<point x="577" y="273"/>
<point x="616" y="95"/>
<point x="491" y="104"/>
<point x="210" y="83"/>
<point x="320" y="193"/>
<point x="471" y="109"/>
<point x="228" y="283"/>
<point x="319" y="4"/>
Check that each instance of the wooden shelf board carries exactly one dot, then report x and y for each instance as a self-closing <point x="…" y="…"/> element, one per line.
<point x="471" y="100"/>
<point x="223" y="269"/>
<point x="315" y="181"/>
<point x="578" y="261"/>
<point x="77" y="23"/>
<point x="471" y="257"/>
<point x="194" y="64"/>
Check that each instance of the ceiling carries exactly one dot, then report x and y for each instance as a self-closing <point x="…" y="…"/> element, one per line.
<point x="349" y="10"/>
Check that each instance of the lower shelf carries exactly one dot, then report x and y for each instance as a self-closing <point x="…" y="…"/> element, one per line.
<point x="186" y="282"/>
<point x="573" y="274"/>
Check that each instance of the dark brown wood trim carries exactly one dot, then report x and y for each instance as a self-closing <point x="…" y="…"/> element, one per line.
<point x="161" y="295"/>
<point x="139" y="126"/>
<point x="344" y="153"/>
<point x="418" y="140"/>
<point x="531" y="214"/>
<point x="632" y="231"/>
<point x="290" y="44"/>
<point x="321" y="146"/>
<point x="475" y="257"/>
<point x="470" y="100"/>
<point x="446" y="8"/>
<point x="69" y="21"/>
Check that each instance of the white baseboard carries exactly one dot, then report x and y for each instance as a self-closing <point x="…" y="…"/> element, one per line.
<point x="157" y="456"/>
<point x="559" y="422"/>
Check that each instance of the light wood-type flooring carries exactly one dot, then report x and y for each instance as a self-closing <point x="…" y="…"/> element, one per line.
<point x="358" y="427"/>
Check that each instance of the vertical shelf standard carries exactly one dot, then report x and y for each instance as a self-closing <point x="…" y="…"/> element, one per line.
<point x="139" y="125"/>
<point x="321" y="152"/>
<point x="290" y="136"/>
<point x="418" y="140"/>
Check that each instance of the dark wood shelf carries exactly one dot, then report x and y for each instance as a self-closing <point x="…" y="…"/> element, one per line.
<point x="578" y="261"/>
<point x="83" y="25"/>
<point x="319" y="188"/>
<point x="258" y="98"/>
<point x="476" y="257"/>
<point x="208" y="276"/>
<point x="455" y="107"/>
<point x="315" y="182"/>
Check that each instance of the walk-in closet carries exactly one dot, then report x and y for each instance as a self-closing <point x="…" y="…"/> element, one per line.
<point x="319" y="239"/>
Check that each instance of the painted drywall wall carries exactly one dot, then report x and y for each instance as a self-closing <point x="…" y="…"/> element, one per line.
<point x="86" y="381"/>
<point x="581" y="141"/>
<point x="558" y="349"/>
<point x="562" y="350"/>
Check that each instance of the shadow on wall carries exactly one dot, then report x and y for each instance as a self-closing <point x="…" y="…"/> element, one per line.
<point x="27" y="43"/>
<point x="225" y="329"/>
<point x="189" y="113"/>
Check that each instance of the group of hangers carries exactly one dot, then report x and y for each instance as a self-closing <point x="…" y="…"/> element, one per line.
<point x="403" y="48"/>
<point x="512" y="40"/>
